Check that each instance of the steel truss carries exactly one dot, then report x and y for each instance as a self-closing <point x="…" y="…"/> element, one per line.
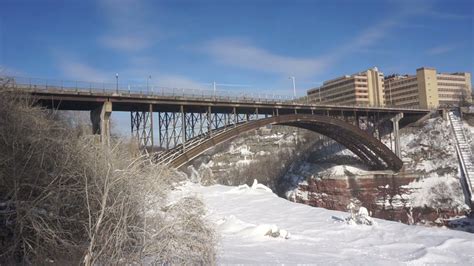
<point x="177" y="128"/>
<point x="184" y="127"/>
<point x="142" y="127"/>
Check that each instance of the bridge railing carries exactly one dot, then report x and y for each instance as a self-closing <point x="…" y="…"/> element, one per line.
<point x="144" y="90"/>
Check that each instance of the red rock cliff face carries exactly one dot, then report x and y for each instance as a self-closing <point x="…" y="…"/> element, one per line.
<point x="383" y="195"/>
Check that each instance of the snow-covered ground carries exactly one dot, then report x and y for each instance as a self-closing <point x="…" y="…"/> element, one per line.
<point x="255" y="226"/>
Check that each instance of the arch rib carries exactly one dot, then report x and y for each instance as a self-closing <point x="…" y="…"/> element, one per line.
<point x="368" y="148"/>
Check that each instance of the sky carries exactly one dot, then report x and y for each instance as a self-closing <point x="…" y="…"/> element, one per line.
<point x="242" y="45"/>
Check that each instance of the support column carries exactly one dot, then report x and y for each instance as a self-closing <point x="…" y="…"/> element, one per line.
<point x="396" y="134"/>
<point x="151" y="126"/>
<point x="100" y="118"/>
<point x="183" y="127"/>
<point x="209" y="120"/>
<point x="236" y="118"/>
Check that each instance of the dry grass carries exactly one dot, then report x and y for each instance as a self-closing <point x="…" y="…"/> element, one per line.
<point x="65" y="198"/>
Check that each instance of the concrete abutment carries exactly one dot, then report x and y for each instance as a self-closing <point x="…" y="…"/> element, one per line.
<point x="100" y="118"/>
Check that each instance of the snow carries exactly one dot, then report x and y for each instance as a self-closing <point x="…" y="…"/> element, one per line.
<point x="341" y="170"/>
<point x="428" y="149"/>
<point x="243" y="162"/>
<point x="359" y="216"/>
<point x="257" y="227"/>
<point x="435" y="192"/>
<point x="245" y="151"/>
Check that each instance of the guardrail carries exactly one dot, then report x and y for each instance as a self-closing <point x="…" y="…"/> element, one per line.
<point x="144" y="90"/>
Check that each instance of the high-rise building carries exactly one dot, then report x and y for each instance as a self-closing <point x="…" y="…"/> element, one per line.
<point x="363" y="88"/>
<point x="428" y="89"/>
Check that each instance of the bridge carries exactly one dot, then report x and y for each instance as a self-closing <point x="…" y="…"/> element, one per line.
<point x="183" y="123"/>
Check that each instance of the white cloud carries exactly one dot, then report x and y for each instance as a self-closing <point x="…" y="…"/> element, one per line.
<point x="75" y="69"/>
<point x="125" y="42"/>
<point x="441" y="49"/>
<point x="445" y="15"/>
<point x="82" y="72"/>
<point x="373" y="34"/>
<point x="162" y="79"/>
<point x="241" y="53"/>
<point x="8" y="71"/>
<point x="237" y="52"/>
<point x="177" y="81"/>
<point x="129" y="28"/>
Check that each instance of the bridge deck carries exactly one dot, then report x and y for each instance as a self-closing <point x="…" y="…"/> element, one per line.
<point x="170" y="100"/>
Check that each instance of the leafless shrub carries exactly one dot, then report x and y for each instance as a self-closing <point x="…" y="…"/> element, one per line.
<point x="64" y="198"/>
<point x="441" y="195"/>
<point x="184" y="237"/>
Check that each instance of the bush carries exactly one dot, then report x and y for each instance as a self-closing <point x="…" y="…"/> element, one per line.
<point x="65" y="198"/>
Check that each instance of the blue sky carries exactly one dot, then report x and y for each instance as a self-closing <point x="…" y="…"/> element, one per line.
<point x="252" y="44"/>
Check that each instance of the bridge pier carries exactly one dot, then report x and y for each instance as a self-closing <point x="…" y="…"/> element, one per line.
<point x="100" y="118"/>
<point x="396" y="134"/>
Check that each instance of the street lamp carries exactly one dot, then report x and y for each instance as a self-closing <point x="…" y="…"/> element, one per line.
<point x="147" y="82"/>
<point x="294" y="86"/>
<point x="116" y="82"/>
<point x="214" y="87"/>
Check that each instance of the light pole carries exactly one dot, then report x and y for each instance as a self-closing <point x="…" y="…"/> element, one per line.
<point x="294" y="86"/>
<point x="147" y="82"/>
<point x="116" y="82"/>
<point x="214" y="87"/>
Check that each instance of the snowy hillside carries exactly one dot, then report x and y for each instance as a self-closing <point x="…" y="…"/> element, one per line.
<point x="256" y="226"/>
